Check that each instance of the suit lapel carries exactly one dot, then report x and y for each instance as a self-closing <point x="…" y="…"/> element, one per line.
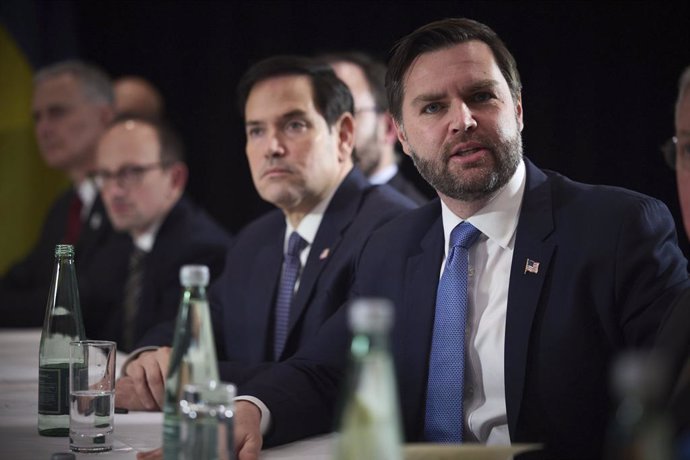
<point x="94" y="229"/>
<point x="340" y="213"/>
<point x="416" y="318"/>
<point x="526" y="282"/>
<point x="260" y="302"/>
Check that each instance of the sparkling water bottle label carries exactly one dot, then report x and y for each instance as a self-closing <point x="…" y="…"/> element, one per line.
<point x="52" y="389"/>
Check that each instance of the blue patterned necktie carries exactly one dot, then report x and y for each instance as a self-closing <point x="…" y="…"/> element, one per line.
<point x="286" y="290"/>
<point x="444" y="401"/>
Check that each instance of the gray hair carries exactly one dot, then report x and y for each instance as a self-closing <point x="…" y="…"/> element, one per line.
<point x="94" y="83"/>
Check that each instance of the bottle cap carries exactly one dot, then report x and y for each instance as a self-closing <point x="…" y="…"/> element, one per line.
<point x="194" y="275"/>
<point x="64" y="250"/>
<point x="371" y="315"/>
<point x="643" y="374"/>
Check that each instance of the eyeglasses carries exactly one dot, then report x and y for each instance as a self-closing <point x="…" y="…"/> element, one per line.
<point x="125" y="177"/>
<point x="676" y="153"/>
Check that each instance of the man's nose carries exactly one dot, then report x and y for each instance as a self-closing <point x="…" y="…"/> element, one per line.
<point x="276" y="146"/>
<point x="462" y="118"/>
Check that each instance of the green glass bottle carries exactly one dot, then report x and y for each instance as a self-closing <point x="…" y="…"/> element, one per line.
<point x="62" y="324"/>
<point x="193" y="356"/>
<point x="370" y="419"/>
<point x="640" y="428"/>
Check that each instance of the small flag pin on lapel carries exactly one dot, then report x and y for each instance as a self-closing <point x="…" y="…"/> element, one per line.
<point x="324" y="253"/>
<point x="531" y="266"/>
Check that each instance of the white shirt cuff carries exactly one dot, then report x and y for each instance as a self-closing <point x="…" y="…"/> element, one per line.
<point x="265" y="413"/>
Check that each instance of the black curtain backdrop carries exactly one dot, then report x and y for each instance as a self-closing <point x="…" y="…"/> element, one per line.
<point x="599" y="77"/>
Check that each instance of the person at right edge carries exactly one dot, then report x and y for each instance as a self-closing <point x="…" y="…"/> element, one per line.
<point x="561" y="277"/>
<point x="674" y="335"/>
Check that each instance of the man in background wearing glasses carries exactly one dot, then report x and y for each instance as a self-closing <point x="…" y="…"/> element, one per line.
<point x="674" y="334"/>
<point x="375" y="137"/>
<point x="141" y="175"/>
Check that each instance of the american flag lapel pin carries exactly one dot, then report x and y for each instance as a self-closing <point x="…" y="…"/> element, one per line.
<point x="531" y="266"/>
<point x="324" y="253"/>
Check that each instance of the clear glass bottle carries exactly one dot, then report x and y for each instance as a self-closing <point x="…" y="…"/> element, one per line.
<point x="640" y="428"/>
<point x="370" y="419"/>
<point x="193" y="355"/>
<point x="62" y="324"/>
<point x="206" y="430"/>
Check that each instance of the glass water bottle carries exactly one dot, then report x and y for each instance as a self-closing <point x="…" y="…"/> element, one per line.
<point x="62" y="324"/>
<point x="193" y="355"/>
<point x="370" y="420"/>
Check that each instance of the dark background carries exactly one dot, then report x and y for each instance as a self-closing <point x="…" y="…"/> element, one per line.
<point x="600" y="79"/>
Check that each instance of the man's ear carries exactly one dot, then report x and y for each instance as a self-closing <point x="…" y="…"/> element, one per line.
<point x="402" y="137"/>
<point x="388" y="132"/>
<point x="105" y="114"/>
<point x="179" y="174"/>
<point x="345" y="128"/>
<point x="518" y="112"/>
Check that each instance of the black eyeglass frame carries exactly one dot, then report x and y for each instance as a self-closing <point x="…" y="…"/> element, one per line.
<point x="126" y="176"/>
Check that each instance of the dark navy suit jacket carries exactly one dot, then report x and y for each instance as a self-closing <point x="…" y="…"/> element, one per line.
<point x="243" y="298"/>
<point x="24" y="288"/>
<point x="407" y="188"/>
<point x="609" y="266"/>
<point x="188" y="235"/>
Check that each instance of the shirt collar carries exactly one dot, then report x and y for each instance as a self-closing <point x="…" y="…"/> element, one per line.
<point x="498" y="219"/>
<point x="385" y="175"/>
<point x="310" y="223"/>
<point x="86" y="191"/>
<point x="146" y="240"/>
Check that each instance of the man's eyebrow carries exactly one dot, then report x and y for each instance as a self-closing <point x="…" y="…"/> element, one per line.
<point x="428" y="97"/>
<point x="283" y="117"/>
<point x="293" y="114"/>
<point x="437" y="96"/>
<point x="483" y="84"/>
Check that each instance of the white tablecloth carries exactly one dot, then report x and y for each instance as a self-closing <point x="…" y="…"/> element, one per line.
<point x="136" y="431"/>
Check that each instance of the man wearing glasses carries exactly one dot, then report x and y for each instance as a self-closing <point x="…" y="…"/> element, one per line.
<point x="375" y="136"/>
<point x="141" y="176"/>
<point x="674" y="334"/>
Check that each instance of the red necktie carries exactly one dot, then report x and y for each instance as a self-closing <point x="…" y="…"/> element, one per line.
<point x="73" y="221"/>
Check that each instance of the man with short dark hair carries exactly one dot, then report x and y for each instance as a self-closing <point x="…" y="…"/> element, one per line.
<point x="289" y="270"/>
<point x="72" y="105"/>
<point x="141" y="176"/>
<point x="513" y="292"/>
<point x="375" y="137"/>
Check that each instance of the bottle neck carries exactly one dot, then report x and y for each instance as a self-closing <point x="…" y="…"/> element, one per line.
<point x="195" y="292"/>
<point x="364" y="343"/>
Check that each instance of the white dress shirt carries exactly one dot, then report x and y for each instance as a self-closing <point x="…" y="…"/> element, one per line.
<point x="307" y="229"/>
<point x="383" y="176"/>
<point x="490" y="260"/>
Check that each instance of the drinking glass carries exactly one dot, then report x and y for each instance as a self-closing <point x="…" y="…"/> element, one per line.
<point x="92" y="395"/>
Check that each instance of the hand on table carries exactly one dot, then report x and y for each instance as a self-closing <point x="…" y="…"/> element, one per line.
<point x="156" y="454"/>
<point x="143" y="388"/>
<point x="248" y="438"/>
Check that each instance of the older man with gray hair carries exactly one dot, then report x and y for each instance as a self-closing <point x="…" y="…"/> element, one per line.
<point x="72" y="105"/>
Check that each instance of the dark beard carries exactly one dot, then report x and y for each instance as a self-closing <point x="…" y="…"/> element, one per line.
<point x="506" y="154"/>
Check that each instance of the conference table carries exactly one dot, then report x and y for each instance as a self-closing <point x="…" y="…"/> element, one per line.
<point x="142" y="431"/>
<point x="134" y="432"/>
